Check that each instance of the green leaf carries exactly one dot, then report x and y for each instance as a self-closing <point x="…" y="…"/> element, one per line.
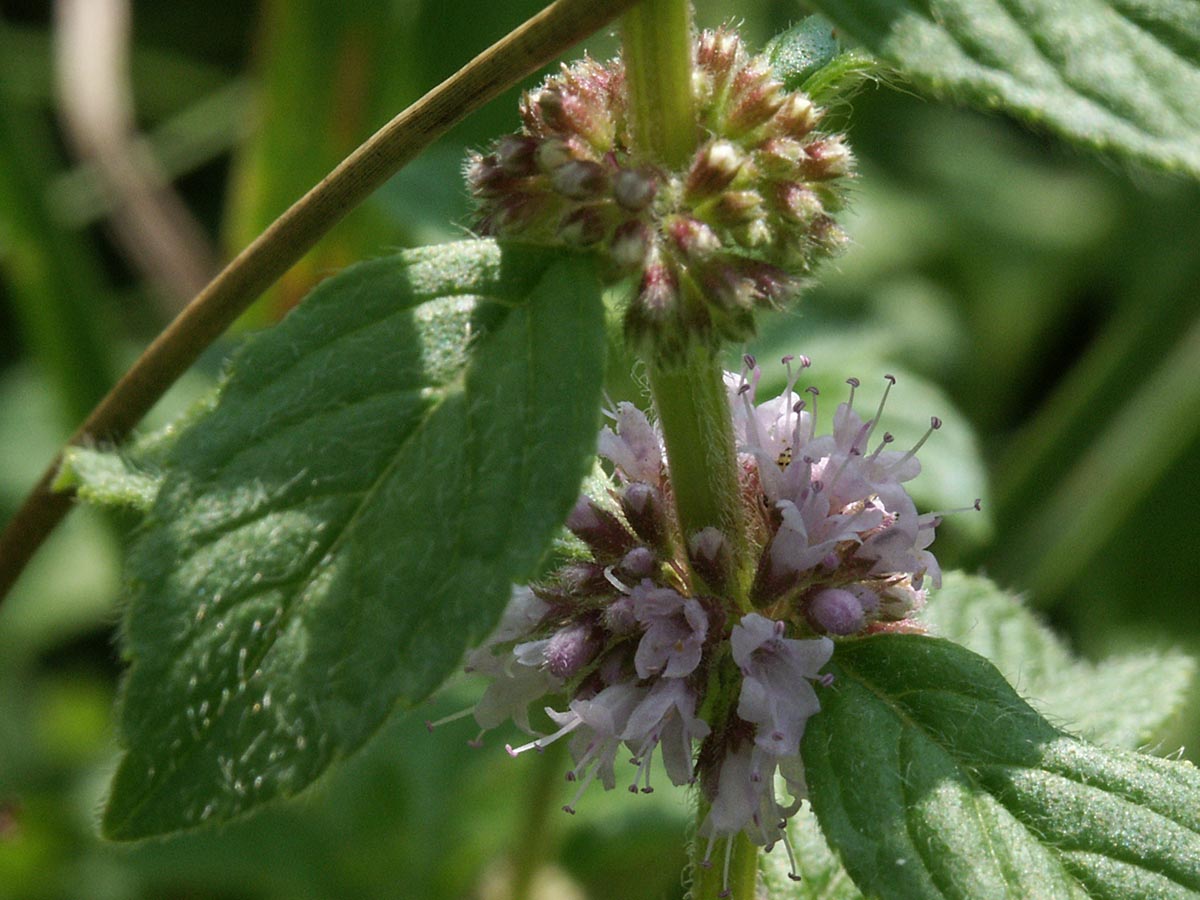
<point x="107" y="478"/>
<point x="349" y="517"/>
<point x="1107" y="702"/>
<point x="932" y="778"/>
<point x="809" y="57"/>
<point x="1117" y="75"/>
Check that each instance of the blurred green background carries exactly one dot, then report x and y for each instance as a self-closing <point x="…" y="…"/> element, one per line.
<point x="1042" y="302"/>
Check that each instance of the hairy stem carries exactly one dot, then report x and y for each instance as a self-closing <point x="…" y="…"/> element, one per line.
<point x="690" y="398"/>
<point x="290" y="236"/>
<point x="656" y="45"/>
<point x="709" y="881"/>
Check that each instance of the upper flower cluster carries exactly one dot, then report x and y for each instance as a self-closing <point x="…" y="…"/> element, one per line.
<point x="708" y="244"/>
<point x="657" y="644"/>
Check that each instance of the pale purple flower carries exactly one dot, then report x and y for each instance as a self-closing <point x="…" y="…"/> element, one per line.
<point x="776" y="694"/>
<point x="634" y="447"/>
<point x="666" y="718"/>
<point x="675" y="626"/>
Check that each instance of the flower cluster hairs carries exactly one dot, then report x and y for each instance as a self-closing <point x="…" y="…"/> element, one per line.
<point x="658" y="645"/>
<point x="731" y="231"/>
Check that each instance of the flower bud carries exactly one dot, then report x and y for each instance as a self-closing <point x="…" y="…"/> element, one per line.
<point x="630" y="244"/>
<point x="712" y="557"/>
<point x="582" y="227"/>
<point x="714" y="169"/>
<point x="836" y="611"/>
<point x="579" y="179"/>
<point x="551" y="154"/>
<point x="642" y="505"/>
<point x="634" y="189"/>
<point x="515" y="155"/>
<point x="599" y="529"/>
<point x="570" y="649"/>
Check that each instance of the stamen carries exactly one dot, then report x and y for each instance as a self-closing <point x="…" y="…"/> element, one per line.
<point x="445" y="720"/>
<point x="815" y="393"/>
<point x="888" y="437"/>
<point x="787" y="845"/>
<point x="725" y="891"/>
<point x="854" y="384"/>
<point x="934" y="424"/>
<point x="570" y="807"/>
<point x="542" y="743"/>
<point x="930" y="518"/>
<point x="890" y="379"/>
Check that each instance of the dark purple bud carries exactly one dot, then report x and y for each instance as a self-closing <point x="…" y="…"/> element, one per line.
<point x="836" y="611"/>
<point x="634" y="189"/>
<point x="638" y="563"/>
<point x="580" y="179"/>
<point x="630" y="244"/>
<point x="552" y="153"/>
<point x="711" y="557"/>
<point x="583" y="226"/>
<point x="571" y="648"/>
<point x="600" y="530"/>
<point x="515" y="154"/>
<point x="644" y="510"/>
<point x="485" y="178"/>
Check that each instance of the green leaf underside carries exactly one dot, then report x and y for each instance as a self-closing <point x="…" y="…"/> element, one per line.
<point x="106" y="479"/>
<point x="931" y="778"/>
<point x="379" y="469"/>
<point x="1108" y="702"/>
<point x="1117" y="75"/>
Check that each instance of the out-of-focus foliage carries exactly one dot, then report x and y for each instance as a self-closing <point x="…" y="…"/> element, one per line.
<point x="1051" y="298"/>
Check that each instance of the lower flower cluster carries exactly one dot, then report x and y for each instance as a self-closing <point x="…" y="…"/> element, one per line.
<point x="661" y="644"/>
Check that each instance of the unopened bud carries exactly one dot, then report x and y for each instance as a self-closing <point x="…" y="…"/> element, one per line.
<point x="582" y="227"/>
<point x="827" y="158"/>
<point x="515" y="154"/>
<point x="634" y="189"/>
<point x="758" y="97"/>
<point x="579" y="179"/>
<point x="692" y="237"/>
<point x="570" y="649"/>
<point x="836" y="611"/>
<point x="714" y="169"/>
<point x="711" y="557"/>
<point x="797" y="203"/>
<point x="637" y="564"/>
<point x="737" y="208"/>
<point x="643" y="507"/>
<point x="797" y="116"/>
<point x="552" y="153"/>
<point x="600" y="530"/>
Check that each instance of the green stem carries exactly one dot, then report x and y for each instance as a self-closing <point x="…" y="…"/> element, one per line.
<point x="656" y="44"/>
<point x="690" y="397"/>
<point x="693" y="410"/>
<point x="707" y="883"/>
<point x="532" y="848"/>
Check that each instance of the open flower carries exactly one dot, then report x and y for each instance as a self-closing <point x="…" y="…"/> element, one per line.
<point x="716" y="675"/>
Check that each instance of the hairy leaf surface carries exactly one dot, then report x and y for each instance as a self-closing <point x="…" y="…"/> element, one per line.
<point x="931" y="778"/>
<point x="1117" y="75"/>
<point x="378" y="470"/>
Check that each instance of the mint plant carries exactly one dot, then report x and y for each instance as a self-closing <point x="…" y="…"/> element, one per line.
<point x="418" y="470"/>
